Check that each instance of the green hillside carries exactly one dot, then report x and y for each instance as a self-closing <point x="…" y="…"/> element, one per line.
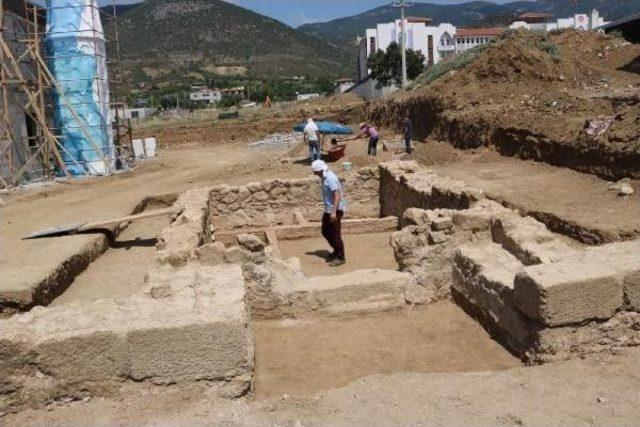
<point x="164" y="42"/>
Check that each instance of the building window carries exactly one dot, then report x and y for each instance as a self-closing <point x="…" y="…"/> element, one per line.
<point x="372" y="44"/>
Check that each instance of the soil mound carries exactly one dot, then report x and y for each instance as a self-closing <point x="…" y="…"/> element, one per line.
<point x="537" y="96"/>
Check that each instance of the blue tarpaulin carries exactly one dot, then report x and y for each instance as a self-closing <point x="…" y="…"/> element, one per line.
<point x="331" y="128"/>
<point x="76" y="57"/>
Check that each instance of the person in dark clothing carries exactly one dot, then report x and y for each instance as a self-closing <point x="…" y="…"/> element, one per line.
<point x="407" y="133"/>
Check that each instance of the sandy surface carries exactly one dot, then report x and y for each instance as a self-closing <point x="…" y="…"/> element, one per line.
<point x="303" y="357"/>
<point x="598" y="391"/>
<point x="576" y="198"/>
<point x="120" y="271"/>
<point x="363" y="251"/>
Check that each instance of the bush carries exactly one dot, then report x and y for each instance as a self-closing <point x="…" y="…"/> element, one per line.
<point x="616" y="33"/>
<point x="545" y="44"/>
<point x="457" y="62"/>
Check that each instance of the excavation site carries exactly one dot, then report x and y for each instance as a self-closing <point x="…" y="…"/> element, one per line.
<point x="229" y="213"/>
<point x="233" y="290"/>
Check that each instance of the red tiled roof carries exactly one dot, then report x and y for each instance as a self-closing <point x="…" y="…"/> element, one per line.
<point x="466" y="32"/>
<point x="531" y="15"/>
<point x="418" y="19"/>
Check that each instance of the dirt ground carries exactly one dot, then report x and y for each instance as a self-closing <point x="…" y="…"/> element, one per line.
<point x="579" y="204"/>
<point x="120" y="271"/>
<point x="596" y="391"/>
<point x="363" y="251"/>
<point x="303" y="357"/>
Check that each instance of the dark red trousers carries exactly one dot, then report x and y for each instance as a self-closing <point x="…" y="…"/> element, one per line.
<point x="332" y="231"/>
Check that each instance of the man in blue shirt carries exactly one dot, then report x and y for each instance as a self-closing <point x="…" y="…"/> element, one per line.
<point x="334" y="208"/>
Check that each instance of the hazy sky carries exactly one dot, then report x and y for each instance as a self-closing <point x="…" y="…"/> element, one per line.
<point x="298" y="12"/>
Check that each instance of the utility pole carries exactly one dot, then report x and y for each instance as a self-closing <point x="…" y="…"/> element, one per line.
<point x="402" y="4"/>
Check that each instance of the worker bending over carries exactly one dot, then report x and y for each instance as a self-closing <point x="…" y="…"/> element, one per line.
<point x="366" y="130"/>
<point x="334" y="208"/>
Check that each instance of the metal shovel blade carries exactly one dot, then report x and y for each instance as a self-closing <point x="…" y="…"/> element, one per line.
<point x="56" y="231"/>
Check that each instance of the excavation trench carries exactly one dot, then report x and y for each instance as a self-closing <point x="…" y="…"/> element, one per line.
<point x="239" y="294"/>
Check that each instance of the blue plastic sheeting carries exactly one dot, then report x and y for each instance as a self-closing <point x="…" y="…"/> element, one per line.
<point x="74" y="64"/>
<point x="327" y="128"/>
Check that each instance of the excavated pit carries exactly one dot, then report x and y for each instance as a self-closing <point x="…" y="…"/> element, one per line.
<point x="300" y="357"/>
<point x="237" y="294"/>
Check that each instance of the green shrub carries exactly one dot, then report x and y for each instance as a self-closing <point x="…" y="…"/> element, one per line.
<point x="457" y="62"/>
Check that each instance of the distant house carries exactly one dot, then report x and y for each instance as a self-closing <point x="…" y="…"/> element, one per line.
<point x="435" y="42"/>
<point x="234" y="91"/>
<point x="307" y="96"/>
<point x="205" y="95"/>
<point x="547" y="22"/>
<point x="342" y="85"/>
<point x="132" y="113"/>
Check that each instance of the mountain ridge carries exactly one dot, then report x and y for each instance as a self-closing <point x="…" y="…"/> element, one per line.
<point x="343" y="31"/>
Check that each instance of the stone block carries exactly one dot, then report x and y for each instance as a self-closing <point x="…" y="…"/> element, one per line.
<point x="235" y="254"/>
<point x="437" y="237"/>
<point x="479" y="216"/>
<point x="483" y="282"/>
<point x="441" y="224"/>
<point x="211" y="253"/>
<point x="356" y="292"/>
<point x="199" y="331"/>
<point x="528" y="239"/>
<point x="251" y="242"/>
<point x="569" y="292"/>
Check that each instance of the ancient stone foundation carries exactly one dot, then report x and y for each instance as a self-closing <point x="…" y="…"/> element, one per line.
<point x="219" y="266"/>
<point x="542" y="295"/>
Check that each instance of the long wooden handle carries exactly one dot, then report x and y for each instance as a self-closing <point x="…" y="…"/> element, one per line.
<point x="150" y="214"/>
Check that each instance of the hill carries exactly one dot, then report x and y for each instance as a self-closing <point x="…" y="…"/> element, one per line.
<point x="570" y="99"/>
<point x="171" y="41"/>
<point x="343" y="32"/>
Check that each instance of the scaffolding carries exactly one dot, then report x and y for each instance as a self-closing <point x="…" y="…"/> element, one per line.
<point x="31" y="145"/>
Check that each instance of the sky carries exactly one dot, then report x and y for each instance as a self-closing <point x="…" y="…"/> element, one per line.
<point x="298" y="12"/>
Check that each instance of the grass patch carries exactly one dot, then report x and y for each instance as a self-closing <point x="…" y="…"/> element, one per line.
<point x="443" y="67"/>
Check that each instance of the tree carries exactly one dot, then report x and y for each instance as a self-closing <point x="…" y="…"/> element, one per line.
<point x="386" y="67"/>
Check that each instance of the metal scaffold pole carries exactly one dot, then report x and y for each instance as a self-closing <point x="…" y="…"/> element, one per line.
<point x="26" y="86"/>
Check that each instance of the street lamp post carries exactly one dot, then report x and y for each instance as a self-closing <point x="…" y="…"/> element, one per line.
<point x="402" y="4"/>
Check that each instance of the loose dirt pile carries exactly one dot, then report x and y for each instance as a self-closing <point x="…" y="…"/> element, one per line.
<point x="535" y="96"/>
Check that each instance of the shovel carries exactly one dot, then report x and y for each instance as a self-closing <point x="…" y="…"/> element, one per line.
<point x="79" y="228"/>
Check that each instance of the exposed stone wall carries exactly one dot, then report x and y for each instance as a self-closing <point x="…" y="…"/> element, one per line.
<point x="178" y="242"/>
<point x="405" y="185"/>
<point x="427" y="244"/>
<point x="274" y="202"/>
<point x="278" y="288"/>
<point x="546" y="300"/>
<point x="545" y="297"/>
<point x="191" y="324"/>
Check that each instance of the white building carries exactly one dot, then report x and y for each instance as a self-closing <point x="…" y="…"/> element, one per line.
<point x="343" y="85"/>
<point x="468" y="38"/>
<point x="546" y="22"/>
<point x="204" y="94"/>
<point x="307" y="96"/>
<point x="435" y="42"/>
<point x="132" y="113"/>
